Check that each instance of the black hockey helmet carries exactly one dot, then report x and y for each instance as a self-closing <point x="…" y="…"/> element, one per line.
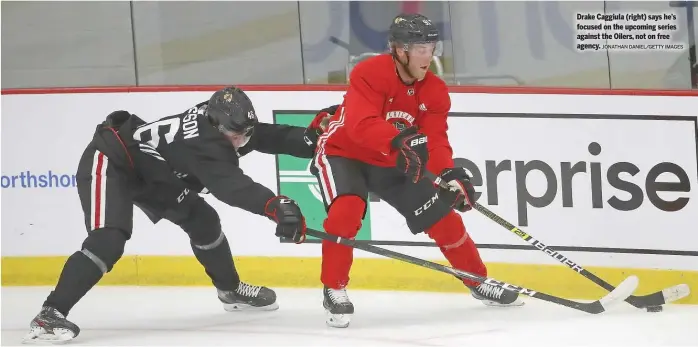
<point x="408" y="29"/>
<point x="231" y="112"/>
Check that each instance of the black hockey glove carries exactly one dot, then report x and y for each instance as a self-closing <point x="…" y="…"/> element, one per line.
<point x="290" y="222"/>
<point x="318" y="125"/>
<point x="462" y="192"/>
<point x="412" y="153"/>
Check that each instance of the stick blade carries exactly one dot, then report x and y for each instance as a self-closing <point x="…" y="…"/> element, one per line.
<point x="676" y="292"/>
<point x="622" y="292"/>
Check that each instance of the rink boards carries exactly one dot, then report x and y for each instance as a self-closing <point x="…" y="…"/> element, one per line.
<point x="609" y="180"/>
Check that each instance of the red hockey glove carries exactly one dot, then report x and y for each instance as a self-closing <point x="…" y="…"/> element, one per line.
<point x="462" y="192"/>
<point x="318" y="125"/>
<point x="412" y="153"/>
<point x="290" y="222"/>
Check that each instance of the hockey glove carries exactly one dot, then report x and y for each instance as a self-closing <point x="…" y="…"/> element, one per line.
<point x="290" y="222"/>
<point x="462" y="192"/>
<point x="412" y="153"/>
<point x="319" y="125"/>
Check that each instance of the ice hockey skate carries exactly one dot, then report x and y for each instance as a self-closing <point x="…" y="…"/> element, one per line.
<point x="50" y="327"/>
<point x="495" y="296"/>
<point x="338" y="307"/>
<point x="247" y="297"/>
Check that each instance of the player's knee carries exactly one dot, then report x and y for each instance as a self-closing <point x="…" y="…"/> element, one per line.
<point x="345" y="215"/>
<point x="449" y="232"/>
<point x="203" y="225"/>
<point x="104" y="247"/>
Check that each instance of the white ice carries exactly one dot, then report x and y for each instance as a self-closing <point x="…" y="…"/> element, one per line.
<point x="192" y="316"/>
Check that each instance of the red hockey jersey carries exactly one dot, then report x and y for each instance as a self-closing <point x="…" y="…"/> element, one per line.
<point x="378" y="105"/>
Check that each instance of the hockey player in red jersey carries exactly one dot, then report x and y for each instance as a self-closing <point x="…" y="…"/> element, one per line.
<point x="394" y="116"/>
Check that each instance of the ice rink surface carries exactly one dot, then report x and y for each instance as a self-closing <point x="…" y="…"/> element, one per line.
<point x="193" y="316"/>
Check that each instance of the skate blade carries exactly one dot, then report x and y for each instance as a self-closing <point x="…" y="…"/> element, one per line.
<point x="238" y="307"/>
<point x="42" y="337"/>
<point x="338" y="320"/>
<point x="490" y="303"/>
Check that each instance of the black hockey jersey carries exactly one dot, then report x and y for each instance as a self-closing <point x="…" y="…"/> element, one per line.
<point x="198" y="154"/>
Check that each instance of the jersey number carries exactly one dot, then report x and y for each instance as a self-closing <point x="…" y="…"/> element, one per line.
<point x="172" y="125"/>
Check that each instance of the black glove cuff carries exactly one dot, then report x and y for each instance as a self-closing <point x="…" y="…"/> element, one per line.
<point x="271" y="206"/>
<point x="397" y="141"/>
<point x="311" y="136"/>
<point x="330" y="110"/>
<point x="456" y="173"/>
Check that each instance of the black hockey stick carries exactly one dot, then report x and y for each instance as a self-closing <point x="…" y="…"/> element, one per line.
<point x="339" y="42"/>
<point x="661" y="297"/>
<point x="621" y="292"/>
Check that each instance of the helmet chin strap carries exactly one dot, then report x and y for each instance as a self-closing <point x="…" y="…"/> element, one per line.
<point x="405" y="66"/>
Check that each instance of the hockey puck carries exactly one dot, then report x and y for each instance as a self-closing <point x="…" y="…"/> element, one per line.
<point x="654" y="308"/>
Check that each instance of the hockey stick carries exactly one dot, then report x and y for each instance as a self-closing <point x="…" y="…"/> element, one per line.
<point x="661" y="297"/>
<point x="621" y="292"/>
<point x="339" y="42"/>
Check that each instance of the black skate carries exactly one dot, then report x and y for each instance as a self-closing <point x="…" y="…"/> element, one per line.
<point x="248" y="298"/>
<point x="338" y="307"/>
<point x="50" y="326"/>
<point x="495" y="296"/>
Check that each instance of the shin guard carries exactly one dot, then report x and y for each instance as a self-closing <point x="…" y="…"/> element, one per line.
<point x="456" y="245"/>
<point x="210" y="246"/>
<point x="344" y="220"/>
<point x="217" y="260"/>
<point x="100" y="251"/>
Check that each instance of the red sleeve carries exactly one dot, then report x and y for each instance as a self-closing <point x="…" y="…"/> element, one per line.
<point x="433" y="124"/>
<point x="362" y="112"/>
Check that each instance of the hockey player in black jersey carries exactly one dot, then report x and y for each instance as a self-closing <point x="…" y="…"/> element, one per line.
<point x="161" y="167"/>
